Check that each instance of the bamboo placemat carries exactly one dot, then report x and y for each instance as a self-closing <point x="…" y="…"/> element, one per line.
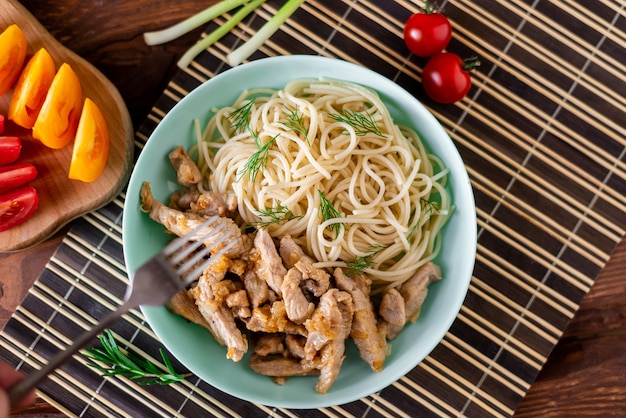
<point x="542" y="134"/>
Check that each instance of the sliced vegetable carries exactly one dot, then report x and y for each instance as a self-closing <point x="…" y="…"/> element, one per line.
<point x="427" y="33"/>
<point x="10" y="147"/>
<point x="31" y="89"/>
<point x="13" y="47"/>
<point x="240" y="54"/>
<point x="1" y="123"/>
<point x="15" y="175"/>
<point x="17" y="206"/>
<point x="91" y="146"/>
<point x="446" y="78"/>
<point x="245" y="8"/>
<point x="57" y="121"/>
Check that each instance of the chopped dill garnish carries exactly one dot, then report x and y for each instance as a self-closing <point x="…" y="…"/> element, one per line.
<point x="240" y="117"/>
<point x="280" y="214"/>
<point x="362" y="263"/>
<point x="295" y="123"/>
<point x="119" y="362"/>
<point x="362" y="123"/>
<point x="258" y="160"/>
<point x="430" y="208"/>
<point x="328" y="211"/>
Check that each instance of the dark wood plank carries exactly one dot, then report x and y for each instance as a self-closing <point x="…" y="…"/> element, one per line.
<point x="584" y="375"/>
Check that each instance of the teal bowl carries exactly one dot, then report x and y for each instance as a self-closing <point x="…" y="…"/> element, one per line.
<point x="193" y="346"/>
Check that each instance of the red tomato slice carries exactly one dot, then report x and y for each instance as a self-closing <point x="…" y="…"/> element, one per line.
<point x="16" y="175"/>
<point x="91" y="146"/>
<point x="10" y="147"/>
<point x="17" y="206"/>
<point x="1" y="123"/>
<point x="13" y="47"/>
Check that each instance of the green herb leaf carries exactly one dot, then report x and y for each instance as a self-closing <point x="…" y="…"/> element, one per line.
<point x="328" y="211"/>
<point x="295" y="123"/>
<point x="117" y="361"/>
<point x="258" y="160"/>
<point x="280" y="214"/>
<point x="240" y="117"/>
<point x="362" y="263"/>
<point x="361" y="123"/>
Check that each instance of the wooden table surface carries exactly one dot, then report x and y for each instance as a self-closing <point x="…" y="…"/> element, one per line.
<point x="584" y="376"/>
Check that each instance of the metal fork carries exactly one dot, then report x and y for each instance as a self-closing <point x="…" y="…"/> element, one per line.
<point x="154" y="283"/>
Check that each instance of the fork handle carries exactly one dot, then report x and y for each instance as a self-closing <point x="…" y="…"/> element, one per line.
<point x="18" y="391"/>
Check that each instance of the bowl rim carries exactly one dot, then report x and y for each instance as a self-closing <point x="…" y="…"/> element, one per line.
<point x="389" y="92"/>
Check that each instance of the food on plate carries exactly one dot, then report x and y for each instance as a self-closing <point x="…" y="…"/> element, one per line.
<point x="427" y="33"/>
<point x="91" y="145"/>
<point x="57" y="121"/>
<point x="13" y="47"/>
<point x="10" y="148"/>
<point x="446" y="77"/>
<point x="16" y="206"/>
<point x="31" y="89"/>
<point x="15" y="175"/>
<point x="337" y="212"/>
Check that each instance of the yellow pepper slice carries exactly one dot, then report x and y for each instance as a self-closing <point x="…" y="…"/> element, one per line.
<point x="31" y="89"/>
<point x="91" y="146"/>
<point x="13" y="47"/>
<point x="57" y="121"/>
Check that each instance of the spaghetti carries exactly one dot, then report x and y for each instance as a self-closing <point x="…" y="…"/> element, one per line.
<point x="324" y="162"/>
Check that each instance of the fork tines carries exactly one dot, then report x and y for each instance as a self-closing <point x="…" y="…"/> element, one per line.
<point x="193" y="254"/>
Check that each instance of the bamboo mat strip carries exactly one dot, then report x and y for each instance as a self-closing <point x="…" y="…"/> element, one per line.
<point x="543" y="136"/>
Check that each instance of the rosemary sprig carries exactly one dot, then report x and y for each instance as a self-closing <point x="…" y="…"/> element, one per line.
<point x="280" y="214"/>
<point x="258" y="160"/>
<point x="328" y="211"/>
<point x="362" y="123"/>
<point x="362" y="263"/>
<point x="295" y="122"/>
<point x="119" y="362"/>
<point x="240" y="117"/>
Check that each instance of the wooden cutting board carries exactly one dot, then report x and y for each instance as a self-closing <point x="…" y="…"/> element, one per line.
<point x="62" y="199"/>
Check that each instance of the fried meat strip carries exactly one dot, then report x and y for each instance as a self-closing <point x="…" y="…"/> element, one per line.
<point x="281" y="366"/>
<point x="369" y="339"/>
<point x="267" y="263"/>
<point x="187" y="171"/>
<point x="181" y="223"/>
<point x="315" y="280"/>
<point x="413" y="293"/>
<point x="210" y="294"/>
<point x="296" y="304"/>
<point x="338" y="309"/>
<point x="205" y="203"/>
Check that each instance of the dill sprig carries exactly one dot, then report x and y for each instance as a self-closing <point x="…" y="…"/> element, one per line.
<point x="295" y="122"/>
<point x="120" y="362"/>
<point x="362" y="263"/>
<point x="258" y="160"/>
<point x="328" y="211"/>
<point x="361" y="123"/>
<point x="280" y="214"/>
<point x="240" y="117"/>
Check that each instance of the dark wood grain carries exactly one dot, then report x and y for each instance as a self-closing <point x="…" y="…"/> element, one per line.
<point x="584" y="376"/>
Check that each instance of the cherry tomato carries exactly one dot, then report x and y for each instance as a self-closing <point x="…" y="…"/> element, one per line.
<point x="56" y="123"/>
<point x="10" y="147"/>
<point x="446" y="78"/>
<point x="13" y="47"/>
<point x="17" y="206"/>
<point x="427" y="33"/>
<point x="15" y="175"/>
<point x="31" y="89"/>
<point x="91" y="146"/>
